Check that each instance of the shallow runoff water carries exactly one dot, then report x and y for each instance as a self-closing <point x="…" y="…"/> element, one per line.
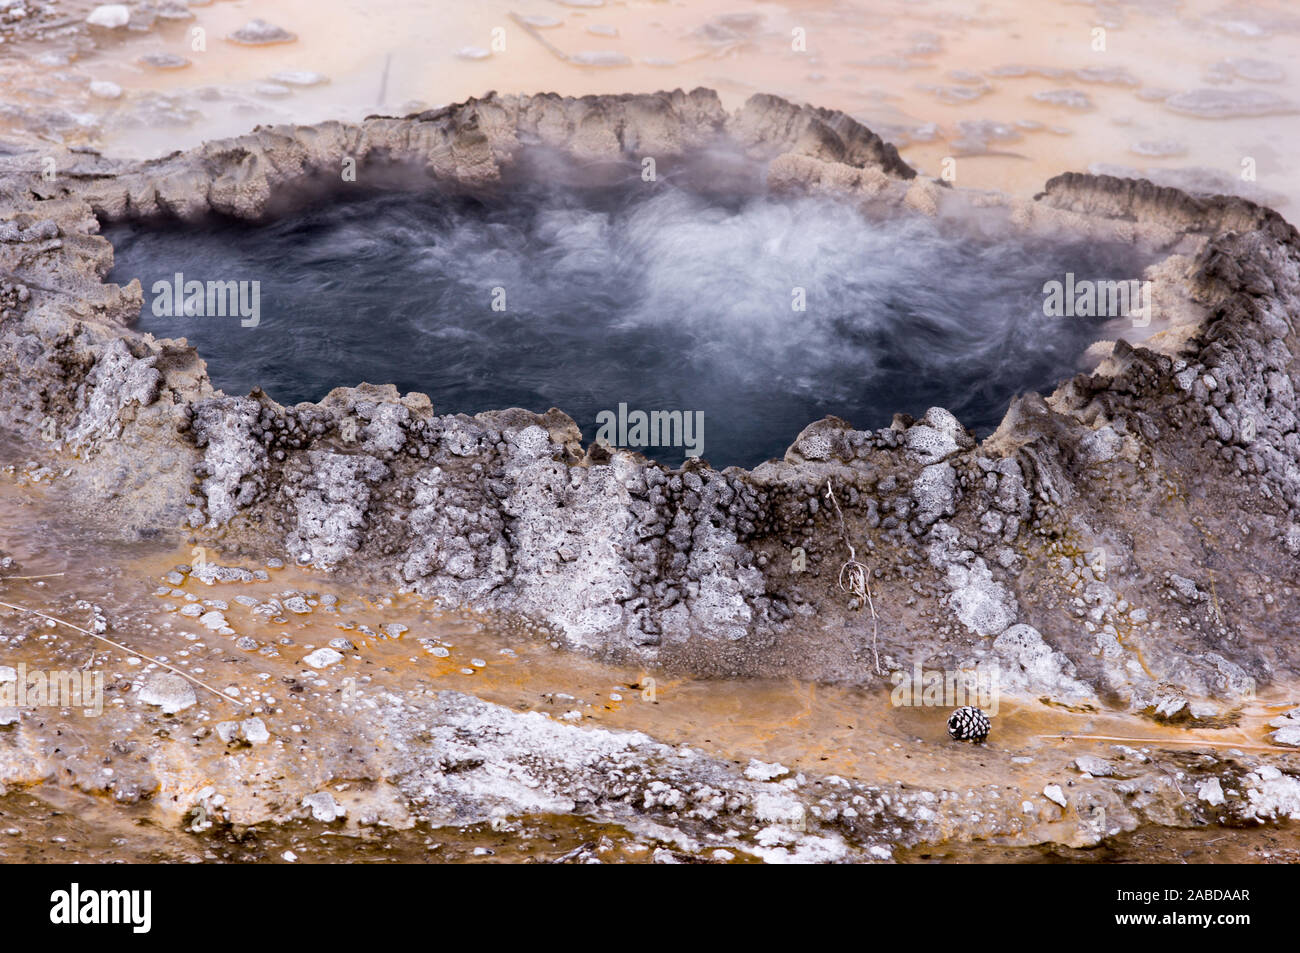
<point x="750" y="315"/>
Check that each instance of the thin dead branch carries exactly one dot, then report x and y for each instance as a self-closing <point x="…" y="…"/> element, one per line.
<point x="855" y="579"/>
<point x="130" y="651"/>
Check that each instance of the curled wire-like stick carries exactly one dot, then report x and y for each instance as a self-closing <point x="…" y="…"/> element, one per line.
<point x="128" y="650"/>
<point x="536" y="35"/>
<point x="859" y="580"/>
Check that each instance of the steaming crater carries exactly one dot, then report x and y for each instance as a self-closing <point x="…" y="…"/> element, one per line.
<point x="1184" y="436"/>
<point x="751" y="313"/>
<point x="1127" y="545"/>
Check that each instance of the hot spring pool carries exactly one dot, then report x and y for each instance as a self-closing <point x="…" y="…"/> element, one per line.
<point x="752" y="315"/>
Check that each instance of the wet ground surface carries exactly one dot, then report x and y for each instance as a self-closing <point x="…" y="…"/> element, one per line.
<point x="1151" y="845"/>
<point x="52" y="826"/>
<point x="1000" y="96"/>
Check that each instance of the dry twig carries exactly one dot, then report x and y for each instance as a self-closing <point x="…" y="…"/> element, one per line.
<point x="129" y="651"/>
<point x="855" y="579"/>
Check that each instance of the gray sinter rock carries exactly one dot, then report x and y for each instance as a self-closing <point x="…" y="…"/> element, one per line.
<point x="168" y="691"/>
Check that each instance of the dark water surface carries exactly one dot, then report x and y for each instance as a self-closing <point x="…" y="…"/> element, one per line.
<point x="647" y="294"/>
